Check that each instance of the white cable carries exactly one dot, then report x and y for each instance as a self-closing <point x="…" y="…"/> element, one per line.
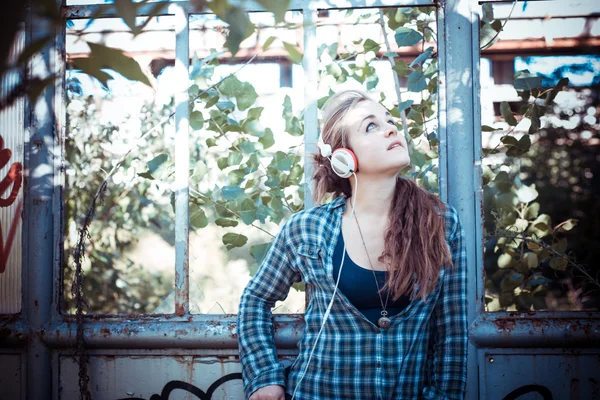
<point x="326" y="315"/>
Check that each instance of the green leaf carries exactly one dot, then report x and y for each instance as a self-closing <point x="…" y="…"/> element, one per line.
<point x="254" y="113"/>
<point x="247" y="147"/>
<point x="535" y="120"/>
<point x="511" y="282"/>
<point x="273" y="181"/>
<point x="559" y="86"/>
<point x="198" y="218"/>
<point x="248" y="211"/>
<point x="532" y="211"/>
<point x="222" y="163"/>
<point x="404" y="105"/>
<point x="559" y="263"/>
<point x="401" y="68"/>
<point x="259" y="251"/>
<point x="422" y="57"/>
<point x="200" y="169"/>
<point x="231" y="192"/>
<point x="243" y="92"/>
<point x="486" y="128"/>
<point x="519" y="148"/>
<point x="233" y="240"/>
<point x="268" y="43"/>
<point x="371" y="45"/>
<point x="292" y="123"/>
<point x="226" y="222"/>
<point x="525" y="80"/>
<point x="531" y="260"/>
<point x="293" y="53"/>
<point x="267" y="140"/>
<point x="277" y="7"/>
<point x="527" y="194"/>
<point x="281" y="161"/>
<point x="236" y="176"/>
<point x="567" y="225"/>
<point x="196" y="120"/>
<point x="407" y="37"/>
<point x="234" y="158"/>
<point x="416" y="81"/>
<point x="507" y="114"/>
<point x="502" y="181"/>
<point x="240" y="28"/>
<point x="158" y="165"/>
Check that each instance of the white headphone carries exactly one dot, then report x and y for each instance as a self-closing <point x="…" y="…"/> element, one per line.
<point x="343" y="161"/>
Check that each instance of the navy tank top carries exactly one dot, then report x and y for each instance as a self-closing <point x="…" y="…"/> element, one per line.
<point x="358" y="285"/>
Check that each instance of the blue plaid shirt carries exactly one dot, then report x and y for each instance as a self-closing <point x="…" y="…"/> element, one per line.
<point x="422" y="355"/>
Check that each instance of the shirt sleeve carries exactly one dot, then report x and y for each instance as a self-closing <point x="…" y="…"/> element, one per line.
<point x="258" y="356"/>
<point x="448" y="369"/>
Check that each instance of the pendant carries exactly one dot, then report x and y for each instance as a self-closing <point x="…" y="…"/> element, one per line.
<point x="384" y="321"/>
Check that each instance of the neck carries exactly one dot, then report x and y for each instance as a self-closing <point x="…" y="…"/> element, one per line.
<point x="373" y="196"/>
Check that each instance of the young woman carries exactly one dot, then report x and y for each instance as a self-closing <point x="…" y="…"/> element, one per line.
<point x="384" y="267"/>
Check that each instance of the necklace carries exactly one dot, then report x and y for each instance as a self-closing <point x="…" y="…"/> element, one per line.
<point x="384" y="321"/>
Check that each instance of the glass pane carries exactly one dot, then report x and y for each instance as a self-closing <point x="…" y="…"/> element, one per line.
<point x="12" y="136"/>
<point x="540" y="139"/>
<point x="239" y="149"/>
<point x="129" y="257"/>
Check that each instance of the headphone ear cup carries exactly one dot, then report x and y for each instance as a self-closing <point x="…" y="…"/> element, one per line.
<point x="344" y="162"/>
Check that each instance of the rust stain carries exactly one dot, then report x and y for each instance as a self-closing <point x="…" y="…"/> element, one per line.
<point x="506" y="325"/>
<point x="105" y="332"/>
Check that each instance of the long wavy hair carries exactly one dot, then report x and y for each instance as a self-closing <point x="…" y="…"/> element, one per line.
<point x="415" y="243"/>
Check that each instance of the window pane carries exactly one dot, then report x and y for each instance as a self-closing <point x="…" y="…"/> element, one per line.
<point x="541" y="166"/>
<point x="129" y="257"/>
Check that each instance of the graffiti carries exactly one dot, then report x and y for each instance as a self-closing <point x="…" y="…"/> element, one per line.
<point x="199" y="393"/>
<point x="14" y="177"/>
<point x="518" y="392"/>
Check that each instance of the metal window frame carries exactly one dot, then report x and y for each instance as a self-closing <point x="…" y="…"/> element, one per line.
<point x="42" y="329"/>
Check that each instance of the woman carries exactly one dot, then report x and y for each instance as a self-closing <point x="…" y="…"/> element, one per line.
<point x="384" y="267"/>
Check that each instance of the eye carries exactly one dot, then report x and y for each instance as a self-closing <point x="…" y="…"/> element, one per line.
<point x="391" y="122"/>
<point x="370" y="126"/>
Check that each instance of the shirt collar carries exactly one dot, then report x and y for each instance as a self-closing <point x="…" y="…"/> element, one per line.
<point x="337" y="202"/>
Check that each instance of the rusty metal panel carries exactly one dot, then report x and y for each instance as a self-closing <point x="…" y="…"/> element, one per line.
<point x="11" y="379"/>
<point x="11" y="200"/>
<point x="540" y="376"/>
<point x="141" y="377"/>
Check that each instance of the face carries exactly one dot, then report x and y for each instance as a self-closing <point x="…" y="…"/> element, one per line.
<point x="374" y="138"/>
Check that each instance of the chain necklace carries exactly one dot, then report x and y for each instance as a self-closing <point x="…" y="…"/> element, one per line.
<point x="384" y="321"/>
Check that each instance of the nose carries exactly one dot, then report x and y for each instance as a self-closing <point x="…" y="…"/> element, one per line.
<point x="391" y="130"/>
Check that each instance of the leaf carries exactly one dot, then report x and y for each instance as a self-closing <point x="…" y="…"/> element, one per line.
<point x="277" y="7"/>
<point x="422" y="57"/>
<point x="127" y="10"/>
<point x="559" y="263"/>
<point x="511" y="282"/>
<point x="559" y="86"/>
<point x="486" y="128"/>
<point x="244" y="93"/>
<point x="293" y="54"/>
<point x="248" y="211"/>
<point x="198" y="218"/>
<point x="525" y="80"/>
<point x="240" y="27"/>
<point x="259" y="251"/>
<point x="371" y="45"/>
<point x="231" y="192"/>
<point x="527" y="194"/>
<point x="281" y="161"/>
<point x="267" y="140"/>
<point x="535" y="120"/>
<point x="401" y="68"/>
<point x="226" y="222"/>
<point x="567" y="225"/>
<point x="196" y="120"/>
<point x="254" y="113"/>
<point x="531" y="260"/>
<point x="158" y="165"/>
<point x="200" y="169"/>
<point x="233" y="240"/>
<point x="507" y="114"/>
<point x="502" y="181"/>
<point x="234" y="158"/>
<point x="404" y="105"/>
<point x="504" y="261"/>
<point x="103" y="57"/>
<point x="407" y="37"/>
<point x="268" y="43"/>
<point x="532" y="211"/>
<point x="416" y="81"/>
<point x="292" y="123"/>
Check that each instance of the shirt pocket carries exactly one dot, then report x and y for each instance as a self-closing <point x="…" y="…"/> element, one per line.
<point x="310" y="262"/>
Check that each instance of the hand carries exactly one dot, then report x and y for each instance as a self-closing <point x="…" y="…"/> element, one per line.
<point x="271" y="392"/>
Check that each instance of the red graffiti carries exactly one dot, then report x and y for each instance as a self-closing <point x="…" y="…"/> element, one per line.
<point x="14" y="177"/>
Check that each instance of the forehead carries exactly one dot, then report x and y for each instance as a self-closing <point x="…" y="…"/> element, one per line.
<point x="368" y="107"/>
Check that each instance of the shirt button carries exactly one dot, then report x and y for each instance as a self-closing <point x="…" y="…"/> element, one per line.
<point x="310" y="252"/>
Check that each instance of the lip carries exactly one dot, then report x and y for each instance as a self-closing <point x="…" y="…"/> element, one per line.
<point x="399" y="143"/>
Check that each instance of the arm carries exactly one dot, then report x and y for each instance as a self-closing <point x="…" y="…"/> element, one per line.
<point x="258" y="356"/>
<point x="448" y="369"/>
